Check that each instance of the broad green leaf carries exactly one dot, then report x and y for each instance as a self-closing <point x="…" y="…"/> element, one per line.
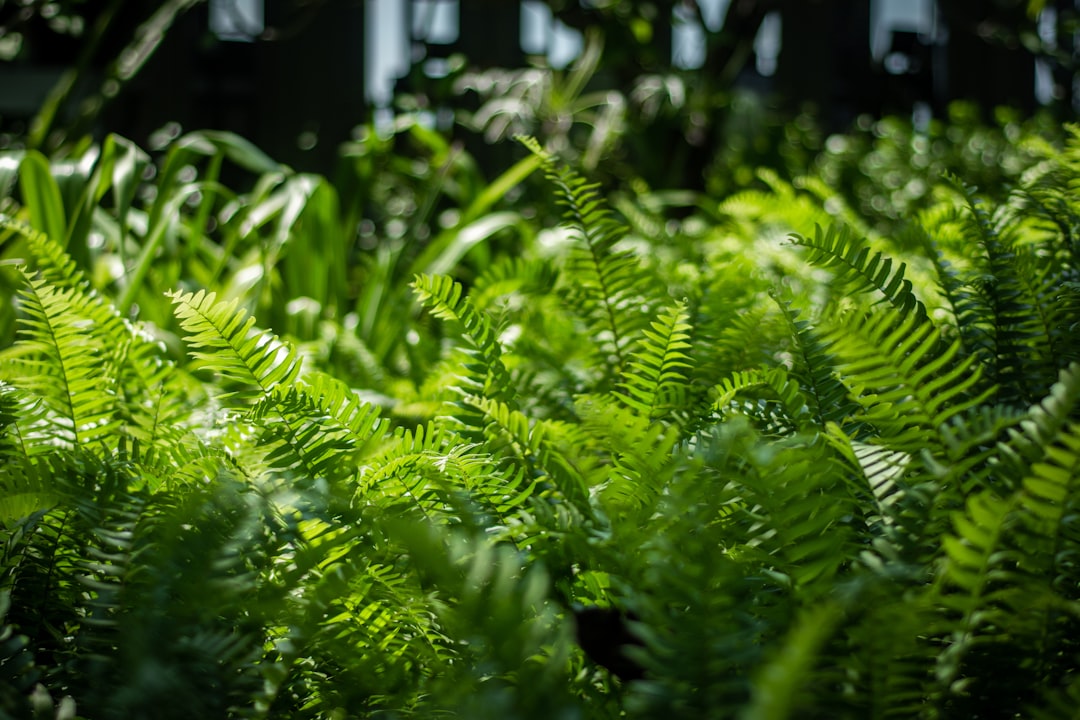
<point x="41" y="196"/>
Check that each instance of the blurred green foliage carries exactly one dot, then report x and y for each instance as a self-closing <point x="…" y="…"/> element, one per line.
<point x="383" y="444"/>
<point x="792" y="415"/>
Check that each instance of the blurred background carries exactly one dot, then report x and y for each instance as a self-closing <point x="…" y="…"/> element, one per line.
<point x="612" y="80"/>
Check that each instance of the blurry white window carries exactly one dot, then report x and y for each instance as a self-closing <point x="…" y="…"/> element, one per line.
<point x="237" y="20"/>
<point x="436" y="21"/>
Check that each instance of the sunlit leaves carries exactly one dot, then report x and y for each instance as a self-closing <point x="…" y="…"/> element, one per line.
<point x="224" y="339"/>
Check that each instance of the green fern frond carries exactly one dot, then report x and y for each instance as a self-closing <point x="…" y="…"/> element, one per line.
<point x="444" y="297"/>
<point x="50" y="261"/>
<point x="881" y="471"/>
<point x="432" y="472"/>
<point x="974" y="448"/>
<point x="1008" y="575"/>
<point x="226" y="341"/>
<point x="607" y="286"/>
<point x="309" y="426"/>
<point x="815" y="369"/>
<point x="839" y="250"/>
<point x="534" y="444"/>
<point x="785" y="513"/>
<point x="1049" y="498"/>
<point x="999" y="321"/>
<point x="153" y="401"/>
<point x="26" y="487"/>
<point x="405" y="473"/>
<point x="516" y="654"/>
<point x="734" y="329"/>
<point x="655" y="382"/>
<point x="317" y="425"/>
<point x="908" y="383"/>
<point x="765" y="389"/>
<point x="23" y="424"/>
<point x="192" y="605"/>
<point x="640" y="457"/>
<point x="512" y="278"/>
<point x="781" y="208"/>
<point x="1041" y="427"/>
<point x="376" y="613"/>
<point x="1048" y="333"/>
<point x="987" y="591"/>
<point x="73" y="369"/>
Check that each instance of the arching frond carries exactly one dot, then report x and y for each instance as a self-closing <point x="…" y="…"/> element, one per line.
<point x="1029" y="444"/>
<point x="532" y="443"/>
<point x="907" y="381"/>
<point x="487" y="375"/>
<point x="607" y="286"/>
<point x="153" y="400"/>
<point x="655" y="380"/>
<point x="26" y="488"/>
<point x="640" y="457"/>
<point x="512" y="277"/>
<point x="72" y="368"/>
<point x="768" y="396"/>
<point x="839" y="250"/>
<point x="999" y="320"/>
<point x="23" y="424"/>
<point x="318" y="426"/>
<point x="814" y="367"/>
<point x="226" y="341"/>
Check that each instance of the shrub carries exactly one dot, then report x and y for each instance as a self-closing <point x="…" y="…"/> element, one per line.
<point x="633" y="475"/>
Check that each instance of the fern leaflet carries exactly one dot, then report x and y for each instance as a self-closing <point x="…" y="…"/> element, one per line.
<point x="488" y="375"/>
<point x="226" y="341"/>
<point x="608" y="286"/>
<point x="839" y="250"/>
<point x="907" y="386"/>
<point x="655" y="383"/>
<point x="74" y="376"/>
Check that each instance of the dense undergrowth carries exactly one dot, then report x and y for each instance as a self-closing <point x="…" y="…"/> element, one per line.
<point x="759" y="460"/>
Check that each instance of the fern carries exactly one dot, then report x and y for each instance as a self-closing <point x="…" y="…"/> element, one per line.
<point x="1000" y="319"/>
<point x="488" y="375"/>
<point x="513" y="278"/>
<point x="153" y="400"/>
<point x="814" y="367"/>
<point x="827" y="505"/>
<point x="71" y="370"/>
<point x="536" y="445"/>
<point x="606" y="285"/>
<point x="839" y="250"/>
<point x="776" y="403"/>
<point x="640" y="457"/>
<point x="1009" y="584"/>
<point x="319" y="426"/>
<point x="656" y="384"/>
<point x="225" y="341"/>
<point x="906" y="384"/>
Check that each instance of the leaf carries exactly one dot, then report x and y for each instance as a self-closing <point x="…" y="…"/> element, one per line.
<point x="74" y="374"/>
<point x="224" y="339"/>
<point x="445" y="298"/>
<point x="318" y="426"/>
<point x="609" y="287"/>
<point x="655" y="381"/>
<point x="909" y="383"/>
<point x="839" y="250"/>
<point x="780" y="683"/>
<point x="41" y="196"/>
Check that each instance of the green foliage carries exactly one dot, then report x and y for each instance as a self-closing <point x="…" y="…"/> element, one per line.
<point x="806" y="478"/>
